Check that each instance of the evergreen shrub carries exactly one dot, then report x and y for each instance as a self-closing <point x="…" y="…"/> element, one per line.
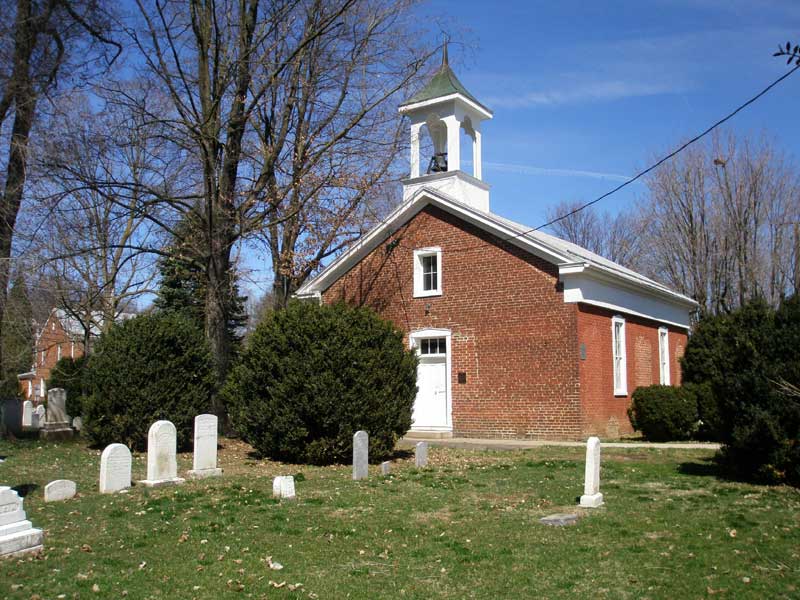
<point x="151" y="367"/>
<point x="311" y="376"/>
<point x="744" y="358"/>
<point x="70" y="374"/>
<point x="663" y="413"/>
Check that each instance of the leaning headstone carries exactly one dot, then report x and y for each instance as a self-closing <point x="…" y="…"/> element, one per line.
<point x="386" y="467"/>
<point x="559" y="519"/>
<point x="115" y="468"/>
<point x="205" y="447"/>
<point x="162" y="464"/>
<point x="17" y="534"/>
<point x="421" y="455"/>
<point x="56" y="426"/>
<point x="360" y="455"/>
<point x="77" y="424"/>
<point x="60" y="489"/>
<point x="592" y="498"/>
<point x="27" y="414"/>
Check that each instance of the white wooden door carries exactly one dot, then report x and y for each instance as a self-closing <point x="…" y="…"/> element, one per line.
<point x="430" y="406"/>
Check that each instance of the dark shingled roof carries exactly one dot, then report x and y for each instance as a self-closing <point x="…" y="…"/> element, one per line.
<point x="443" y="83"/>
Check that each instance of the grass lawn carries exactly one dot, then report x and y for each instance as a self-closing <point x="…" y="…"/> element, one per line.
<point x="467" y="527"/>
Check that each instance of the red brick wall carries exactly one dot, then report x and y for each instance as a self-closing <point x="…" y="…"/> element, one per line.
<point x="604" y="413"/>
<point x="511" y="331"/>
<point x="46" y="353"/>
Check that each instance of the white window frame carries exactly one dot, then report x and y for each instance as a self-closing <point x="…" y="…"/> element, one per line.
<point x="419" y="254"/>
<point x="58" y="352"/>
<point x="663" y="356"/>
<point x="621" y="386"/>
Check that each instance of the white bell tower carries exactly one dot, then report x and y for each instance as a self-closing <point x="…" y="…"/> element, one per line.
<point x="442" y="110"/>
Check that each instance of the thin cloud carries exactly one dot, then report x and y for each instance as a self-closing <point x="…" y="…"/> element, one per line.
<point x="529" y="170"/>
<point x="600" y="91"/>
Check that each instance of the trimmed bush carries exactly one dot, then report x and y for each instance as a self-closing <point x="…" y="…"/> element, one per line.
<point x="311" y="376"/>
<point x="70" y="374"/>
<point x="144" y="369"/>
<point x="663" y="413"/>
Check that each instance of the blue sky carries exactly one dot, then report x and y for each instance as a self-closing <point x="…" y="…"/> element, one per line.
<point x="584" y="93"/>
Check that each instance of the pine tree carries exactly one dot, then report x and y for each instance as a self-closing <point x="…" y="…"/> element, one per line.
<point x="183" y="284"/>
<point x="17" y="335"/>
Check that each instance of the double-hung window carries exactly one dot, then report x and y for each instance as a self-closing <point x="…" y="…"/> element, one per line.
<point x="618" y="353"/>
<point x="663" y="355"/>
<point x="427" y="272"/>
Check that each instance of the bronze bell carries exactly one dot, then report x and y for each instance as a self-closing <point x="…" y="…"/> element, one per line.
<point x="438" y="163"/>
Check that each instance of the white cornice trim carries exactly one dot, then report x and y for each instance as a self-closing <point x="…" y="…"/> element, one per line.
<point x="486" y="114"/>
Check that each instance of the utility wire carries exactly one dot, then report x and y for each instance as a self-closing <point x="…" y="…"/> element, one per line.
<point x="672" y="154"/>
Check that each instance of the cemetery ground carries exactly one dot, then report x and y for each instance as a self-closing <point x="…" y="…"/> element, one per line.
<point x="465" y="527"/>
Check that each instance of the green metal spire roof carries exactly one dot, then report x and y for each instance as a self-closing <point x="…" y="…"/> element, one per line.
<point x="443" y="83"/>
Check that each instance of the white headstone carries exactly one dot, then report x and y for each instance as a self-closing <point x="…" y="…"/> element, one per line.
<point x="56" y="425"/>
<point x="592" y="498"/>
<point x="17" y="534"/>
<point x="205" y="447"/>
<point x="115" y="468"/>
<point x="421" y="455"/>
<point x="60" y="489"/>
<point x="386" y="467"/>
<point x="283" y="487"/>
<point x="162" y="463"/>
<point x="77" y="424"/>
<point x="360" y="455"/>
<point x="41" y="415"/>
<point x="27" y="413"/>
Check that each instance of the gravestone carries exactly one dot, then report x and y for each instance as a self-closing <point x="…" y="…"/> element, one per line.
<point x="283" y="487"/>
<point x="17" y="534"/>
<point x="592" y="498"/>
<point x="559" y="519"/>
<point x="39" y="416"/>
<point x="77" y="424"/>
<point x="205" y="447"/>
<point x="421" y="455"/>
<point x="360" y="455"/>
<point x="27" y="414"/>
<point x="60" y="489"/>
<point x="56" y="426"/>
<point x="162" y="464"/>
<point x="115" y="468"/>
<point x="386" y="467"/>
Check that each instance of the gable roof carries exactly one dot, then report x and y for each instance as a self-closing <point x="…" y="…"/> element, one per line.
<point x="567" y="256"/>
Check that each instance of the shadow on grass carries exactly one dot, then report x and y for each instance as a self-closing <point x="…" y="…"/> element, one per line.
<point x="713" y="467"/>
<point x="25" y="488"/>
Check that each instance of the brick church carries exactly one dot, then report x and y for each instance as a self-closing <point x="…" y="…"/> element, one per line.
<point x="519" y="334"/>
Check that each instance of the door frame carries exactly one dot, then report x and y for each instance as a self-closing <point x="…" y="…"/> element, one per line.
<point x="414" y="338"/>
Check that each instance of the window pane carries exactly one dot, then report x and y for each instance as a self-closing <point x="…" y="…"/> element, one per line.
<point x="434" y="281"/>
<point x="427" y="282"/>
<point x="424" y="347"/>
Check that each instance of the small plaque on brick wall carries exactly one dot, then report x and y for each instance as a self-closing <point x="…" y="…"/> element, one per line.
<point x="462" y="377"/>
<point x="583" y="351"/>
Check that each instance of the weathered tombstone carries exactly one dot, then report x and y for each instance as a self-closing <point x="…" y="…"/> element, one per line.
<point x="77" y="424"/>
<point x="559" y="519"/>
<point x="17" y="534"/>
<point x="39" y="416"/>
<point x="421" y="455"/>
<point x="162" y="464"/>
<point x="56" y="426"/>
<point x="27" y="414"/>
<point x="60" y="489"/>
<point x="592" y="498"/>
<point x="115" y="468"/>
<point x="386" y="467"/>
<point x="205" y="447"/>
<point x="283" y="487"/>
<point x="360" y="455"/>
